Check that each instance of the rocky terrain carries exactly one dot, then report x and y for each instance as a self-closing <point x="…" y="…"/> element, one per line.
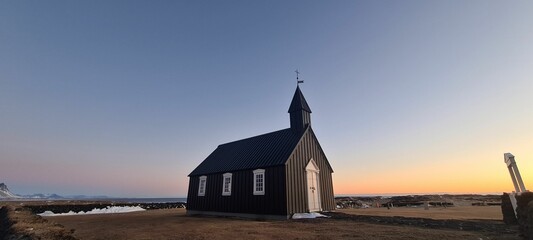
<point x="444" y="200"/>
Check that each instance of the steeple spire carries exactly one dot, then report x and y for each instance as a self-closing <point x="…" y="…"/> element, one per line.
<point x="299" y="111"/>
<point x="298" y="102"/>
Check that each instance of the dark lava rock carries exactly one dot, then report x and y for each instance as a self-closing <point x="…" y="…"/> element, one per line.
<point x="522" y="210"/>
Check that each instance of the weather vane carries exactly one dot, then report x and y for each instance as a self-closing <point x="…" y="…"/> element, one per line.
<point x="298" y="81"/>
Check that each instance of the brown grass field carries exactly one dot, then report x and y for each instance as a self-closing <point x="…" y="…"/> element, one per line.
<point x="174" y="224"/>
<point x="460" y="213"/>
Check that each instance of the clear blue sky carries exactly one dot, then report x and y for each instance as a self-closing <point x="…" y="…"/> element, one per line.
<point x="125" y="98"/>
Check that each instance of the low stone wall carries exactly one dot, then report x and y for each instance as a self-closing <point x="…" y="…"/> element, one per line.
<point x="523" y="211"/>
<point x="5" y="223"/>
<point x="64" y="208"/>
<point x="508" y="210"/>
<point x="530" y="220"/>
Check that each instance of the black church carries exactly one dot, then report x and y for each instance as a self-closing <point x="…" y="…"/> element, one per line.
<point x="273" y="175"/>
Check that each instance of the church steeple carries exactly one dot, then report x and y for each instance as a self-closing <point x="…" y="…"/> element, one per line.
<point x="299" y="111"/>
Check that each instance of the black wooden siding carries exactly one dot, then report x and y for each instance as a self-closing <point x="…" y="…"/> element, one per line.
<point x="242" y="199"/>
<point x="300" y="120"/>
<point x="297" y="201"/>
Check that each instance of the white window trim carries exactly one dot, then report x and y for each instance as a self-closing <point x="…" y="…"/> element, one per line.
<point x="200" y="192"/>
<point x="259" y="172"/>
<point x="226" y="176"/>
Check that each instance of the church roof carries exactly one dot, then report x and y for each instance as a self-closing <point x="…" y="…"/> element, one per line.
<point x="265" y="150"/>
<point x="298" y="102"/>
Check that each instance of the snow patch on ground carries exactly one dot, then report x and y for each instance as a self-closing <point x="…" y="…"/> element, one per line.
<point x="308" y="215"/>
<point x="112" y="209"/>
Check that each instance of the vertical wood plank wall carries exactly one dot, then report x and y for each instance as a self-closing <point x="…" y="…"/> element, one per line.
<point x="242" y="199"/>
<point x="297" y="200"/>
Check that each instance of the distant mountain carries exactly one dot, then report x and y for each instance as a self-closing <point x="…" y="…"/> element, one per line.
<point x="43" y="196"/>
<point x="5" y="193"/>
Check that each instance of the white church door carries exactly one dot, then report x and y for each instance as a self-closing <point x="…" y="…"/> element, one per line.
<point x="313" y="191"/>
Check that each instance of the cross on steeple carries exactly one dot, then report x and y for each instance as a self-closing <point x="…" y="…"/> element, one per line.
<point x="298" y="81"/>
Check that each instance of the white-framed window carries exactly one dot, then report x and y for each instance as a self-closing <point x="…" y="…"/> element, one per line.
<point x="259" y="182"/>
<point x="226" y="184"/>
<point x="201" y="187"/>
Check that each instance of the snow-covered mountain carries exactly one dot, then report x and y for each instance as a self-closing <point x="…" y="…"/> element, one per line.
<point x="5" y="193"/>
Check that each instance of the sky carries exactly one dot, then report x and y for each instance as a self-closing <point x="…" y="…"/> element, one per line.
<point x="126" y="98"/>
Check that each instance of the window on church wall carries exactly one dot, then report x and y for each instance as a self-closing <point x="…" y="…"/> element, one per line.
<point x="226" y="184"/>
<point x="201" y="187"/>
<point x="259" y="182"/>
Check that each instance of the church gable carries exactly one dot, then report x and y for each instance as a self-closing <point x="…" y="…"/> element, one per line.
<point x="308" y="146"/>
<point x="308" y="149"/>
